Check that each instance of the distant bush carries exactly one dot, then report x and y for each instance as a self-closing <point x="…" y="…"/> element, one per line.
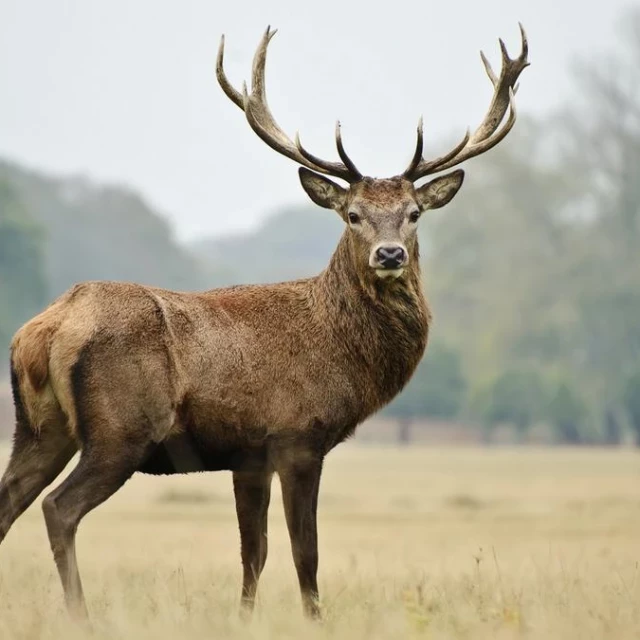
<point x="631" y="402"/>
<point x="566" y="413"/>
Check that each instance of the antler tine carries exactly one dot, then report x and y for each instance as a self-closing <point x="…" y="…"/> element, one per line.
<point x="347" y="172"/>
<point x="419" y="167"/>
<point x="263" y="123"/>
<point x="227" y="87"/>
<point x="488" y="69"/>
<point x="525" y="43"/>
<point x="343" y="154"/>
<point x="354" y="174"/>
<point x="507" y="80"/>
<point x="417" y="154"/>
<point x="488" y="134"/>
<point x="259" y="63"/>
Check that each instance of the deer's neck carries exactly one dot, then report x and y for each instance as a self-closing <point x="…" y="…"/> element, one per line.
<point x="381" y="325"/>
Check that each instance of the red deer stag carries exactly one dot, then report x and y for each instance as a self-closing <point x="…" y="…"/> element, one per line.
<point x="253" y="379"/>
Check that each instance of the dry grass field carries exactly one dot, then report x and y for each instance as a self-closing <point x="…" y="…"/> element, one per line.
<point x="417" y="543"/>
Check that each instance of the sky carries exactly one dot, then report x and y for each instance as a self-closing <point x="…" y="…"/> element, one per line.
<point x="124" y="91"/>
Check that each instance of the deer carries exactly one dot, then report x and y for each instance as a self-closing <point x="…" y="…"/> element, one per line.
<point x="259" y="380"/>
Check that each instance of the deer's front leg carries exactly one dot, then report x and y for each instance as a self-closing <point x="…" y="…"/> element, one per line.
<point x="300" y="480"/>
<point x="252" y="492"/>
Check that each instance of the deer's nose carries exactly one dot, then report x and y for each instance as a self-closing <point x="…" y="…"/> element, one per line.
<point x="391" y="256"/>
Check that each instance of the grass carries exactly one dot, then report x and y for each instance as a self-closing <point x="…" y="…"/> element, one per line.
<point x="417" y="543"/>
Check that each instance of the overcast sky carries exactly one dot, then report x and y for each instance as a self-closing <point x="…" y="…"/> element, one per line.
<point x="125" y="91"/>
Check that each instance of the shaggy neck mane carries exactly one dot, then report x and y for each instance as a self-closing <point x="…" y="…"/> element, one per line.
<point x="381" y="323"/>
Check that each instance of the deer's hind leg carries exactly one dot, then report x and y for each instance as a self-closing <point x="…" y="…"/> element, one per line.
<point x="37" y="458"/>
<point x="121" y="409"/>
<point x="100" y="472"/>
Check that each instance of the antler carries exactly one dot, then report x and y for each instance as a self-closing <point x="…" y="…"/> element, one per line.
<point x="487" y="135"/>
<point x="261" y="120"/>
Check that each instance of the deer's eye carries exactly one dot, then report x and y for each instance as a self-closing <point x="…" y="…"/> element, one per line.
<point x="354" y="218"/>
<point x="414" y="216"/>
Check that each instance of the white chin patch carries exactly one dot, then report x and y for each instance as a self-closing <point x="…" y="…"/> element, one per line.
<point x="389" y="273"/>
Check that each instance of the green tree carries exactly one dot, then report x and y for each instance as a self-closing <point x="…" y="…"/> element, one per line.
<point x="631" y="402"/>
<point x="566" y="412"/>
<point x="517" y="397"/>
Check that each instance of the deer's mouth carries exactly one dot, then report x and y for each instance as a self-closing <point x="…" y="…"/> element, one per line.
<point x="389" y="273"/>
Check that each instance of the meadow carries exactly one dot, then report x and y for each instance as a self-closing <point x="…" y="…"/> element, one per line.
<point x="414" y="543"/>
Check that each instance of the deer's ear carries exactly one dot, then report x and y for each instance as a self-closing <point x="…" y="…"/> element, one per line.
<point x="438" y="192"/>
<point x="321" y="190"/>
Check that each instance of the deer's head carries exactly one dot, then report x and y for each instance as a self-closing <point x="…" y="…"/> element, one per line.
<point x="382" y="214"/>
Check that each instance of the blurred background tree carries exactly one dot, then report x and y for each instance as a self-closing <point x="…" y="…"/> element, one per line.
<point x="567" y="412"/>
<point x="631" y="402"/>
<point x="516" y="397"/>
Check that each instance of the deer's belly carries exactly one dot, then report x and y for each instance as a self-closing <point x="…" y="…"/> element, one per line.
<point x="184" y="453"/>
<point x="213" y="435"/>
